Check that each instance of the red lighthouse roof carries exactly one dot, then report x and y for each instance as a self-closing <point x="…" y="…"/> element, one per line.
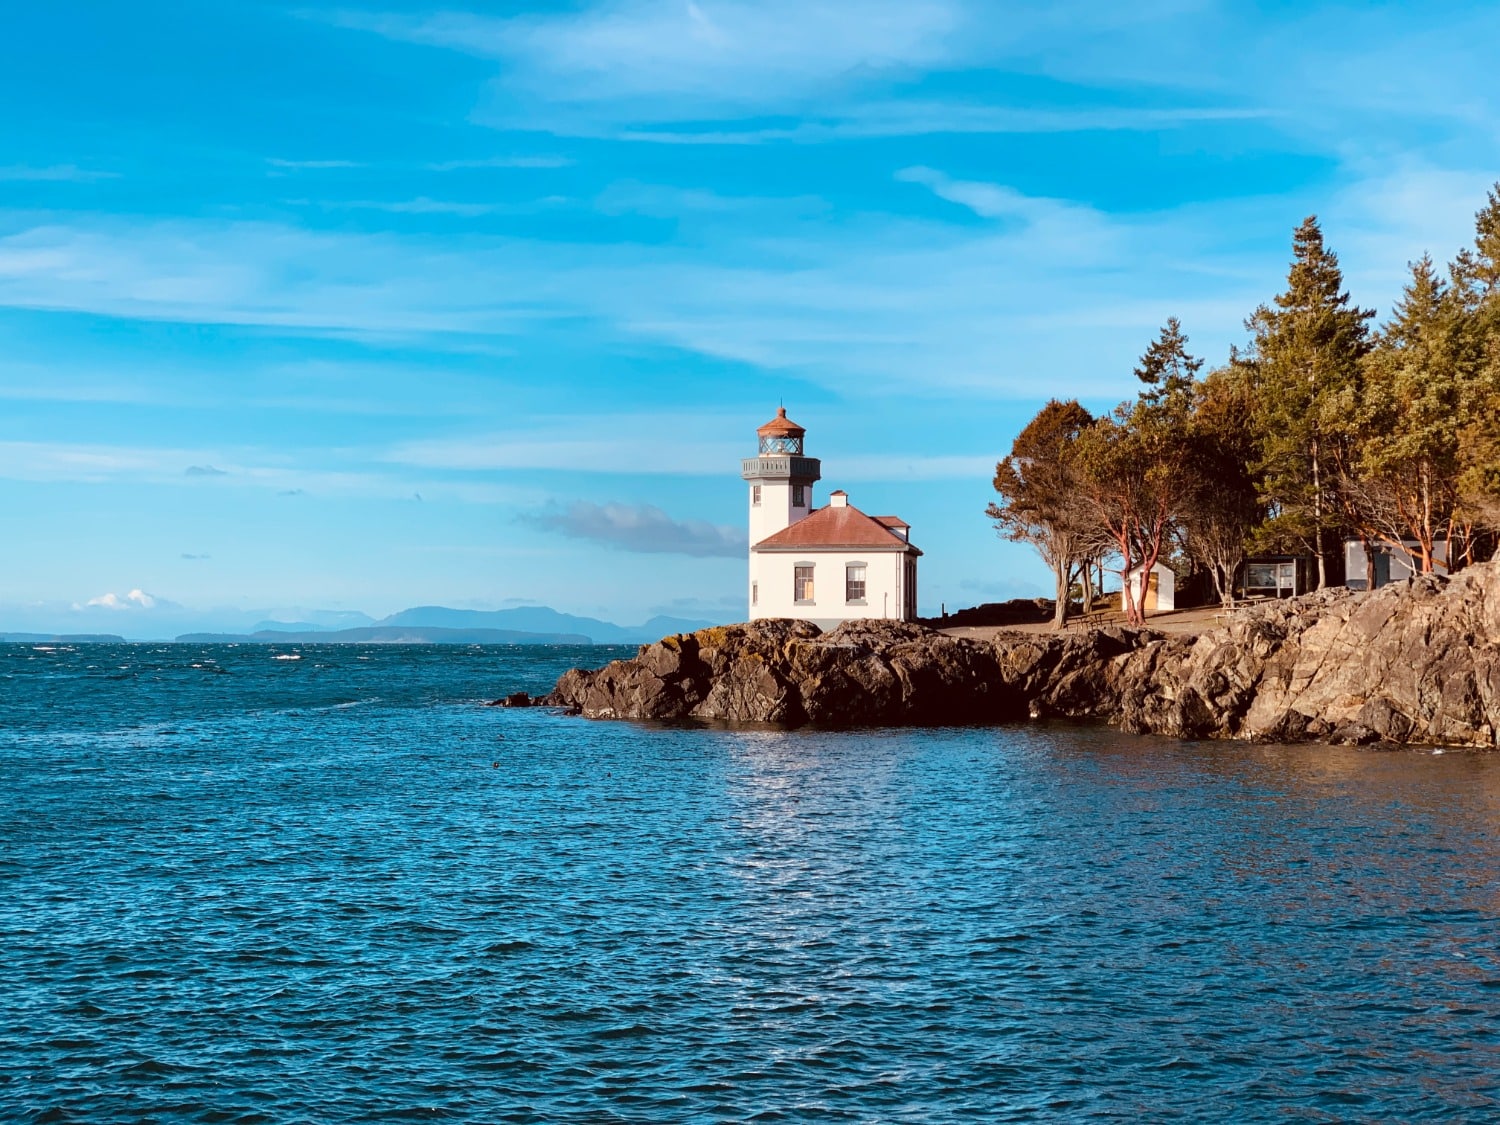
<point x="781" y="426"/>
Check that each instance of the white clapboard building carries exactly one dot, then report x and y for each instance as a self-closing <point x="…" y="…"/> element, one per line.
<point x="824" y="565"/>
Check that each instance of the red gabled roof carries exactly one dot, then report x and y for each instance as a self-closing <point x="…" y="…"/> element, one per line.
<point x="892" y="521"/>
<point x="836" y="527"/>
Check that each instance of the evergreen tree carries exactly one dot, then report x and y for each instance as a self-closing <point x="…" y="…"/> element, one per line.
<point x="1476" y="287"/>
<point x="1407" y="463"/>
<point x="1223" y="507"/>
<point x="1168" y="371"/>
<point x="1306" y="356"/>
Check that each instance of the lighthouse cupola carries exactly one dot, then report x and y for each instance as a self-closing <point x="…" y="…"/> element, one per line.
<point x="780" y="476"/>
<point x="781" y="436"/>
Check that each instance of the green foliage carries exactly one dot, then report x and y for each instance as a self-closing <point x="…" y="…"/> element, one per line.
<point x="1305" y="363"/>
<point x="1406" y="464"/>
<point x="1133" y="464"/>
<point x="1319" y="429"/>
<point x="1039" y="495"/>
<point x="1224" y="507"/>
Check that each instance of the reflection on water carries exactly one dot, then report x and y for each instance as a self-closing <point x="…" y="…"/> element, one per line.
<point x="335" y="889"/>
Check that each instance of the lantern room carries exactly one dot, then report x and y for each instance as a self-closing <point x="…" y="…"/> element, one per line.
<point x="781" y="436"/>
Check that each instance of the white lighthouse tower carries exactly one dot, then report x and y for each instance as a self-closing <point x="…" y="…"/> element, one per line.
<point x="824" y="565"/>
<point x="781" y="477"/>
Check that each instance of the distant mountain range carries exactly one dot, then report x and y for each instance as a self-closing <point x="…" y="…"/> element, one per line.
<point x="431" y="624"/>
<point x="62" y="638"/>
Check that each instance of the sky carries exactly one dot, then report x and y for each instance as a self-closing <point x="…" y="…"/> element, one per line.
<point x="314" y="308"/>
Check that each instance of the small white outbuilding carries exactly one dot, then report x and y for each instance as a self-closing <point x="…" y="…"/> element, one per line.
<point x="1156" y="591"/>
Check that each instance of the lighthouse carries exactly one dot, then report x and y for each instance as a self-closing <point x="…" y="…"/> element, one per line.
<point x="781" y="477"/>
<point x="826" y="565"/>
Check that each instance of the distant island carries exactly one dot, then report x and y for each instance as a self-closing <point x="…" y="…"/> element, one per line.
<point x="428" y="624"/>
<point x="432" y="624"/>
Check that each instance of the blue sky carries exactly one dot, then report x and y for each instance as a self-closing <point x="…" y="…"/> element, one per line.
<point x="355" y="307"/>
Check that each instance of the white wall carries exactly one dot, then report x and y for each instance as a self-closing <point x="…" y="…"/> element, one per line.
<point x="1166" y="588"/>
<point x="775" y="512"/>
<point x="773" y="572"/>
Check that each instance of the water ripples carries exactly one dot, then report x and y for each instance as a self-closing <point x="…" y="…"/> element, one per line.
<point x="339" y="890"/>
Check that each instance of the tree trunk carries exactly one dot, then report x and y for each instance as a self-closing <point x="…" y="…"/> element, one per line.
<point x="1061" y="572"/>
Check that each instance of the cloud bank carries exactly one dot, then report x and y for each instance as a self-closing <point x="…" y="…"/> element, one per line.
<point x="642" y="528"/>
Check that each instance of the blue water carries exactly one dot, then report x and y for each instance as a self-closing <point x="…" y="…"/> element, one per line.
<point x="241" y="889"/>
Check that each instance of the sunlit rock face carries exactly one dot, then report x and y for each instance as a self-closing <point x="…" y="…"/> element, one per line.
<point x="859" y="674"/>
<point x="1409" y="663"/>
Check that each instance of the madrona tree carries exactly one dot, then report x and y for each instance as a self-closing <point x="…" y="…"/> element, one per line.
<point x="1134" y="463"/>
<point x="1039" y="497"/>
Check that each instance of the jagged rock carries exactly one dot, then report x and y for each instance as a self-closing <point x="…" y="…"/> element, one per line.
<point x="862" y="673"/>
<point x="1413" y="662"/>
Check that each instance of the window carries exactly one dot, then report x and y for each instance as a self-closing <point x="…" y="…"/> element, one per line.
<point x="854" y="583"/>
<point x="799" y="496"/>
<point x="755" y="593"/>
<point x="755" y="495"/>
<point x="782" y="445"/>
<point x="1260" y="576"/>
<point x="802" y="583"/>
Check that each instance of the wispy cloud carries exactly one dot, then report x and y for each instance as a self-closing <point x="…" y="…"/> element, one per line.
<point x="725" y="51"/>
<point x="422" y="205"/>
<point x="55" y="173"/>
<point x="681" y="443"/>
<point x="642" y="528"/>
<point x="859" y="121"/>
<point x="313" y="165"/>
<point x="1007" y="289"/>
<point x="329" y="474"/>
<point x="538" y="162"/>
<point x="203" y="471"/>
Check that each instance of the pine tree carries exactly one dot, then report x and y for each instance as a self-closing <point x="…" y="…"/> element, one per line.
<point x="1224" y="506"/>
<point x="1406" y="465"/>
<point x="1168" y="371"/>
<point x="1306" y="358"/>
<point x="1476" y="287"/>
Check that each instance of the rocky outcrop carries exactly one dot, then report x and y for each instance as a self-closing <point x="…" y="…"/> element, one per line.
<point x="1409" y="663"/>
<point x="862" y="673"/>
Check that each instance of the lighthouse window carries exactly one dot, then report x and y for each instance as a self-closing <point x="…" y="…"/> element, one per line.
<point x="799" y="496"/>
<point x="755" y="593"/>
<point x="755" y="495"/>
<point x="803" y="583"/>
<point x="854" y="583"/>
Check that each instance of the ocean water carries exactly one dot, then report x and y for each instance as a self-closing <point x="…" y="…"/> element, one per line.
<point x="241" y="888"/>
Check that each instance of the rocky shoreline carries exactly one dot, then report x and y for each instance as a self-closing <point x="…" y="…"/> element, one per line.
<point x="1413" y="663"/>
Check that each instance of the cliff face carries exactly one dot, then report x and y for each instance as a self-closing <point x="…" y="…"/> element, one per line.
<point x="1403" y="664"/>
<point x="1408" y="663"/>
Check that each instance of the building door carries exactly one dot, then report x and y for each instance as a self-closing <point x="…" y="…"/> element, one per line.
<point x="1153" y="593"/>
